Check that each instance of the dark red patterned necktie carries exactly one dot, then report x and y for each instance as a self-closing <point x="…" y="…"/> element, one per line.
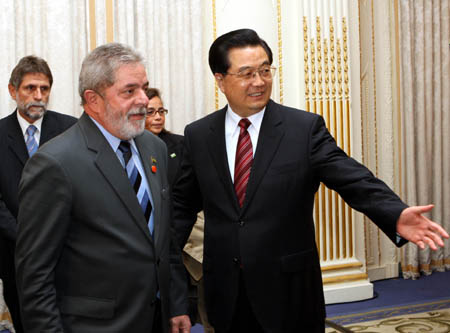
<point x="244" y="160"/>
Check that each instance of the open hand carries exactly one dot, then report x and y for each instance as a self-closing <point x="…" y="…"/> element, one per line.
<point x="415" y="227"/>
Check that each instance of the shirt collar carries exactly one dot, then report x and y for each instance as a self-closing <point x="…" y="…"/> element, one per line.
<point x="232" y="118"/>
<point x="24" y="123"/>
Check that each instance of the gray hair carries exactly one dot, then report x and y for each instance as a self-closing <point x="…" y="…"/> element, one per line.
<point x="99" y="67"/>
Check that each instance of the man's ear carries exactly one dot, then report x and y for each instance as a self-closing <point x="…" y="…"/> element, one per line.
<point x="94" y="102"/>
<point x="219" y="79"/>
<point x="12" y="91"/>
<point x="91" y="96"/>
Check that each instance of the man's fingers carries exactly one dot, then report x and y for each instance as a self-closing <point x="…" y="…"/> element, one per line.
<point x="435" y="237"/>
<point x="180" y="324"/>
<point x="421" y="245"/>
<point x="430" y="243"/>
<point x="424" y="209"/>
<point x="174" y="326"/>
<point x="438" y="229"/>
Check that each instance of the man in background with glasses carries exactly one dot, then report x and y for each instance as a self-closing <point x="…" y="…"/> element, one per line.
<point x="254" y="168"/>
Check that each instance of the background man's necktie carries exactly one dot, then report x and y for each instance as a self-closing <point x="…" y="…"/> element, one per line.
<point x="31" y="143"/>
<point x="136" y="181"/>
<point x="244" y="160"/>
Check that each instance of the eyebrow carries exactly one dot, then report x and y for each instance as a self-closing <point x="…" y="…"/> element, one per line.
<point x="135" y="85"/>
<point x="243" y="68"/>
<point x="33" y="85"/>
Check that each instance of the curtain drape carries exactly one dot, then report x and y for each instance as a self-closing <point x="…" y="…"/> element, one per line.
<point x="169" y="36"/>
<point x="425" y="103"/>
<point x="53" y="30"/>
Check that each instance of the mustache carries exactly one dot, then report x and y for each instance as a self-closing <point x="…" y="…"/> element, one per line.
<point x="142" y="111"/>
<point x="36" y="104"/>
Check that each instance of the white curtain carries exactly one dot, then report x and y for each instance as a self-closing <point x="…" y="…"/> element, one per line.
<point x="425" y="102"/>
<point x="53" y="30"/>
<point x="169" y="35"/>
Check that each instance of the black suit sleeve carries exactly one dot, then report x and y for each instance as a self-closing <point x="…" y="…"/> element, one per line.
<point x="353" y="181"/>
<point x="179" y="280"/>
<point x="43" y="220"/>
<point x="187" y="197"/>
<point x="178" y="277"/>
<point x="8" y="224"/>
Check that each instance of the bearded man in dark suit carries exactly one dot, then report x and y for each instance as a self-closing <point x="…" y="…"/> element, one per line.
<point x="254" y="168"/>
<point x="94" y="248"/>
<point x="21" y="133"/>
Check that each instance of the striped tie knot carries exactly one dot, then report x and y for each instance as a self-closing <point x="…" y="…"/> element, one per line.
<point x="244" y="123"/>
<point x="125" y="148"/>
<point x="31" y="143"/>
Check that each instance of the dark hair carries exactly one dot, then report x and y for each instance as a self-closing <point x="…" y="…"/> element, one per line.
<point x="218" y="53"/>
<point x="153" y="92"/>
<point x="29" y="64"/>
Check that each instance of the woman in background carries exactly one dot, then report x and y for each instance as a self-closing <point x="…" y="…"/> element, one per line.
<point x="156" y="118"/>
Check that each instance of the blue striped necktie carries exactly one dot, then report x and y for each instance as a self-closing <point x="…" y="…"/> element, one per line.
<point x="31" y="143"/>
<point x="136" y="181"/>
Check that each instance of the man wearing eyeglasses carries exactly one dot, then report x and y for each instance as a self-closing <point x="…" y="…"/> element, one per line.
<point x="254" y="168"/>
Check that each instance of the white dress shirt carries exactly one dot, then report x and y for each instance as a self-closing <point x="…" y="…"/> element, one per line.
<point x="232" y="130"/>
<point x="24" y="125"/>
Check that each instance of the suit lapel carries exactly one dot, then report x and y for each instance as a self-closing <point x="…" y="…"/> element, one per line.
<point x="49" y="128"/>
<point x="147" y="155"/>
<point x="110" y="167"/>
<point x="269" y="138"/>
<point x="16" y="142"/>
<point x="217" y="150"/>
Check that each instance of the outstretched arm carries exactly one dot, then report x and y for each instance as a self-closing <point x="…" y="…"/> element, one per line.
<point x="420" y="230"/>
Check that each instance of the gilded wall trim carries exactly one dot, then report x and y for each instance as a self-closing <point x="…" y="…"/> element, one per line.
<point x="363" y="110"/>
<point x="109" y="15"/>
<point x="374" y="91"/>
<point x="92" y="25"/>
<point x="375" y="114"/>
<point x="399" y="114"/>
<point x="327" y="93"/>
<point x="214" y="19"/>
<point x="109" y="21"/>
<point x="280" y="51"/>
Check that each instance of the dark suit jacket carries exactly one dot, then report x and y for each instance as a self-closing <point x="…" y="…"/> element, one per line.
<point x="174" y="143"/>
<point x="272" y="237"/>
<point x="85" y="259"/>
<point x="14" y="156"/>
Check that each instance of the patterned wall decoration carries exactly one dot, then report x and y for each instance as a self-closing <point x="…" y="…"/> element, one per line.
<point x="327" y="93"/>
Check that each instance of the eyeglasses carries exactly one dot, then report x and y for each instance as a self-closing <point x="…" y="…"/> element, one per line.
<point x="265" y="73"/>
<point x="152" y="112"/>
